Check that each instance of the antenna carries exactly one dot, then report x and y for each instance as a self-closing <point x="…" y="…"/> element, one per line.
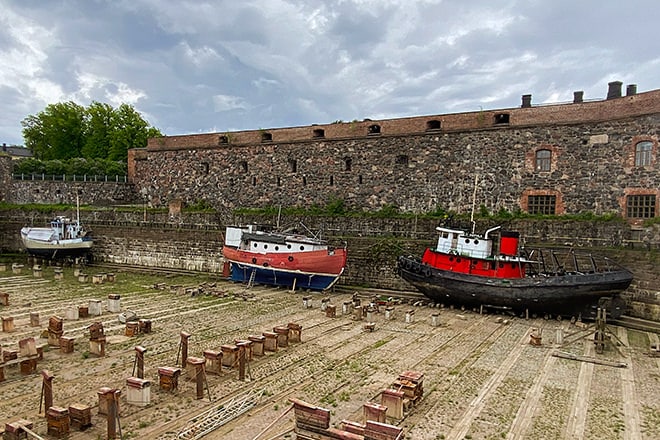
<point x="474" y="202"/>
<point x="78" y="207"/>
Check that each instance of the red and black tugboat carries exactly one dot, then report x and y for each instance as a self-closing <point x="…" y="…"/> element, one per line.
<point x="488" y="270"/>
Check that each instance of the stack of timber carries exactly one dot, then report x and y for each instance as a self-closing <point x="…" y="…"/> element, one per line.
<point x="313" y="423"/>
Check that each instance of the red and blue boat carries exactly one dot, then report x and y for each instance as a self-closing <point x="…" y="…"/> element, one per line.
<point x="488" y="270"/>
<point x="258" y="256"/>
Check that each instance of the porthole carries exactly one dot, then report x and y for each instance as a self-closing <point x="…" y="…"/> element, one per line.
<point x="265" y="264"/>
<point x="254" y="261"/>
<point x="302" y="248"/>
<point x="467" y="241"/>
<point x="476" y="242"/>
<point x="277" y="248"/>
<point x="451" y="258"/>
<point x="458" y="260"/>
<point x="288" y="246"/>
<point x="265" y="246"/>
<point x="290" y="258"/>
<point x="255" y="245"/>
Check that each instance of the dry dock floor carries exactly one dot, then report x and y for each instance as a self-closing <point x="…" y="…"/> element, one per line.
<point x="483" y="379"/>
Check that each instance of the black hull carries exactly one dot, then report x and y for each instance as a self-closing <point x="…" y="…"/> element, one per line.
<point x="568" y="294"/>
<point x="58" y="254"/>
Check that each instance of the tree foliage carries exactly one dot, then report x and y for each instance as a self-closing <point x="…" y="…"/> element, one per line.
<point x="67" y="130"/>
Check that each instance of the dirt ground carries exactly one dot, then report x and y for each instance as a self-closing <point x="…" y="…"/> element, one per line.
<point x="482" y="378"/>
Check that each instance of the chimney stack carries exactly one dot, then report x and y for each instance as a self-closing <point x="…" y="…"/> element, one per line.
<point x="578" y="97"/>
<point x="614" y="89"/>
<point x="526" y="101"/>
<point x="631" y="89"/>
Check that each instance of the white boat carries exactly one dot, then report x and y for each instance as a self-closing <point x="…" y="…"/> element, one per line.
<point x="65" y="238"/>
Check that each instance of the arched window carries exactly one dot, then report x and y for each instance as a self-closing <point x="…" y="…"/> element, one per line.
<point x="643" y="153"/>
<point x="543" y="160"/>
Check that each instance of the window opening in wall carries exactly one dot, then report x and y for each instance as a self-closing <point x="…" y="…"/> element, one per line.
<point x="304" y="180"/>
<point x="433" y="124"/>
<point x="279" y="181"/>
<point x="205" y="167"/>
<point x="402" y="159"/>
<point x="643" y="153"/>
<point x="360" y="179"/>
<point x="319" y="133"/>
<point x="293" y="165"/>
<point x="332" y="180"/>
<point x="373" y="129"/>
<point x="502" y="118"/>
<point x="640" y="206"/>
<point x="348" y="162"/>
<point x="244" y="166"/>
<point x="266" y="137"/>
<point x="543" y="160"/>
<point x="223" y="139"/>
<point x="542" y="204"/>
<point x="254" y="181"/>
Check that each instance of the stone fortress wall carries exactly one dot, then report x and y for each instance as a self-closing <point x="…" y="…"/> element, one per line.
<point x="420" y="163"/>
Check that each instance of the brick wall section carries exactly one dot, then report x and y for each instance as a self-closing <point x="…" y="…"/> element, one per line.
<point x="90" y="193"/>
<point x="586" y="112"/>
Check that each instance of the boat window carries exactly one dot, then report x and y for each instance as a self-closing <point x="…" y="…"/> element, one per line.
<point x="302" y="248"/>
<point x="458" y="260"/>
<point x="288" y="246"/>
<point x="277" y="248"/>
<point x="467" y="241"/>
<point x="451" y="258"/>
<point x="445" y="235"/>
<point x="255" y="245"/>
<point x="476" y="242"/>
<point x="265" y="246"/>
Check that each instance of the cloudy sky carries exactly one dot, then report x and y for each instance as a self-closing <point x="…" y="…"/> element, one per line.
<point x="212" y="66"/>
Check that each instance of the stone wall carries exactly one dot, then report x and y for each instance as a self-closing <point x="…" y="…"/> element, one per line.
<point x="194" y="242"/>
<point x="98" y="193"/>
<point x="592" y="170"/>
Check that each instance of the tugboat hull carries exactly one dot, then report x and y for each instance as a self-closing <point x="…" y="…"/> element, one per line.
<point x="569" y="294"/>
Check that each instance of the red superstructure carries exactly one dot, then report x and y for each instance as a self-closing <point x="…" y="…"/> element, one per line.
<point x="460" y="252"/>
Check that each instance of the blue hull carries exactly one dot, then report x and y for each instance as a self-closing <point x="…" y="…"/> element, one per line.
<point x="269" y="276"/>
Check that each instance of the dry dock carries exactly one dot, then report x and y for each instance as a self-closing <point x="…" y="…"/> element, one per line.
<point x="483" y="379"/>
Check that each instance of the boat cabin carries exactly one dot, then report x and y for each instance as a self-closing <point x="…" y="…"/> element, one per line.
<point x="65" y="229"/>
<point x="454" y="241"/>
<point x="251" y="239"/>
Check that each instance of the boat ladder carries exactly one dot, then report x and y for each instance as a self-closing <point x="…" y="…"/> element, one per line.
<point x="252" y="276"/>
<point x="214" y="418"/>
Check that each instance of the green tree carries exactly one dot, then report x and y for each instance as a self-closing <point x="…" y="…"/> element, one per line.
<point x="67" y="130"/>
<point x="58" y="132"/>
<point x="130" y="131"/>
<point x="100" y="125"/>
